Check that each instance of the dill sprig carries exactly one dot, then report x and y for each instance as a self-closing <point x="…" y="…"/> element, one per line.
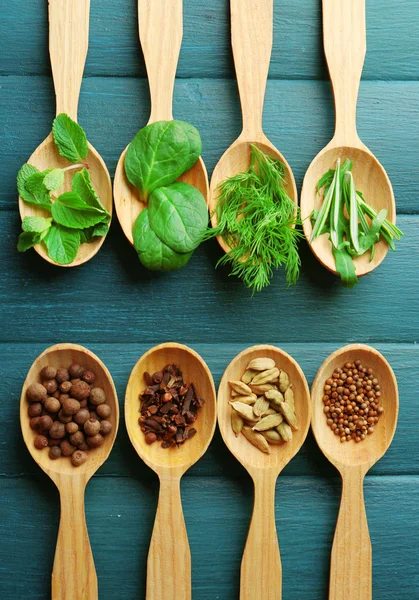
<point x="256" y="219"/>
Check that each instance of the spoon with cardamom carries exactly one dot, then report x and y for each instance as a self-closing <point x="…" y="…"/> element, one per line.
<point x="169" y="540"/>
<point x="351" y="559"/>
<point x="261" y="572"/>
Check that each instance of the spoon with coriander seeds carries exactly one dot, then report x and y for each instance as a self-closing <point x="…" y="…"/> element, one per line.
<point x="81" y="217"/>
<point x="264" y="443"/>
<point x="371" y="420"/>
<point x="160" y="29"/>
<point x="359" y="235"/>
<point x="172" y="384"/>
<point x="258" y="234"/>
<point x="74" y="573"/>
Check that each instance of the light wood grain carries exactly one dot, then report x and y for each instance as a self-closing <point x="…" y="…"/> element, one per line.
<point x="261" y="575"/>
<point x="160" y="27"/>
<point x="344" y="38"/>
<point x="169" y="559"/>
<point x="351" y="560"/>
<point x="251" y="40"/>
<point x="74" y="575"/>
<point x="68" y="41"/>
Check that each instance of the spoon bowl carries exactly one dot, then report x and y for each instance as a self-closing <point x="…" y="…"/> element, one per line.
<point x="47" y="156"/>
<point x="235" y="160"/>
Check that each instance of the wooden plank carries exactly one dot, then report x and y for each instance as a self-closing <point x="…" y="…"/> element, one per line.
<point x="120" y="359"/>
<point x="120" y="513"/>
<point x="298" y="118"/>
<point x="297" y="51"/>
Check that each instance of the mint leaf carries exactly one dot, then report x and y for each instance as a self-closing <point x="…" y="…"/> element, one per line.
<point x="69" y="138"/>
<point x="82" y="185"/>
<point x="86" y="235"/>
<point x="62" y="244"/>
<point x="28" y="239"/>
<point x="35" y="224"/>
<point x="69" y="210"/>
<point x="31" y="187"/>
<point x="101" y="228"/>
<point x="73" y="200"/>
<point x="54" y="179"/>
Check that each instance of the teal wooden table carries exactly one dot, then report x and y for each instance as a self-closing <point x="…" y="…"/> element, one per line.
<point x="119" y="310"/>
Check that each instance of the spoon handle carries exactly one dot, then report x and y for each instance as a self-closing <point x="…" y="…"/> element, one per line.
<point x="261" y="571"/>
<point x="351" y="561"/>
<point x="169" y="557"/>
<point x="68" y="42"/>
<point x="74" y="573"/>
<point x="251" y="39"/>
<point x="344" y="40"/>
<point x="161" y="29"/>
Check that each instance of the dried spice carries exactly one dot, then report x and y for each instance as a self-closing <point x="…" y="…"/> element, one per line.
<point x="169" y="407"/>
<point x="352" y="401"/>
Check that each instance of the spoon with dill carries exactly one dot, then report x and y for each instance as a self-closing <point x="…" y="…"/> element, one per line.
<point x="253" y="196"/>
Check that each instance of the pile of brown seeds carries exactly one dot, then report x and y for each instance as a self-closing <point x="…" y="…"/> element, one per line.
<point x="352" y="401"/>
<point x="263" y="405"/>
<point x="68" y="412"/>
<point x="169" y="407"/>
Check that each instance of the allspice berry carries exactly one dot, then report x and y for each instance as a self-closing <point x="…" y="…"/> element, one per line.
<point x="70" y="406"/>
<point x="36" y="392"/>
<point x="67" y="449"/>
<point x="56" y="394"/>
<point x="62" y="375"/>
<point x="76" y="439"/>
<point x="91" y="427"/>
<point x="40" y="442"/>
<point x="97" y="396"/>
<point x="64" y="397"/>
<point x="48" y="372"/>
<point x="34" y="422"/>
<point x="103" y="411"/>
<point x="35" y="409"/>
<point x="82" y="416"/>
<point x="54" y="452"/>
<point x="94" y="441"/>
<point x="45" y="423"/>
<point x="83" y="446"/>
<point x="64" y="418"/>
<point x="105" y="427"/>
<point x="65" y="387"/>
<point x="76" y="370"/>
<point x="50" y="385"/>
<point x="150" y="437"/>
<point x="80" y="390"/>
<point x="78" y="458"/>
<point x="71" y="427"/>
<point x="57" y="430"/>
<point x="83" y="403"/>
<point x="89" y="377"/>
<point x="52" y="442"/>
<point x="52" y="405"/>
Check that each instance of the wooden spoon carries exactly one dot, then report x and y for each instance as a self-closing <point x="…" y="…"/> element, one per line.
<point x="344" y="39"/>
<point x="74" y="574"/>
<point x="251" y="39"/>
<point x="161" y="29"/>
<point x="351" y="561"/>
<point x="261" y="571"/>
<point x="169" y="558"/>
<point x="68" y="41"/>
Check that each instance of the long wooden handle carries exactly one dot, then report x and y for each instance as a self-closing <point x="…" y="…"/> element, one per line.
<point x="261" y="571"/>
<point x="68" y="42"/>
<point x="161" y="29"/>
<point x="351" y="561"/>
<point x="251" y="39"/>
<point x="169" y="557"/>
<point x="74" y="573"/>
<point x="344" y="39"/>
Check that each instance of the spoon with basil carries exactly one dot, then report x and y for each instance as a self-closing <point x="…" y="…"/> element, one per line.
<point x="161" y="169"/>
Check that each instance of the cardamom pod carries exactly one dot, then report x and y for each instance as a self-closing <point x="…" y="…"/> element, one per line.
<point x="251" y="399"/>
<point x="275" y="398"/>
<point x="261" y="389"/>
<point x="256" y="439"/>
<point x="268" y="422"/>
<point x="242" y="388"/>
<point x="289" y="415"/>
<point x="266" y="376"/>
<point x="261" y="364"/>
<point x="289" y="397"/>
<point x="271" y="411"/>
<point x="261" y="406"/>
<point x="248" y="375"/>
<point x="236" y="422"/>
<point x="244" y="410"/>
<point x="284" y="381"/>
<point x="285" y="431"/>
<point x="273" y="436"/>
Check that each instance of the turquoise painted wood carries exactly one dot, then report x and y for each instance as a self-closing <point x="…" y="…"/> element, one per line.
<point x="119" y="310"/>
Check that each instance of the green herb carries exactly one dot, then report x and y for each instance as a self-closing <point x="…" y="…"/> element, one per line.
<point x="343" y="215"/>
<point x="77" y="216"/>
<point x="256" y="218"/>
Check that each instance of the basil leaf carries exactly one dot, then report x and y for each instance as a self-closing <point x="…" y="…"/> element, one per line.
<point x="28" y="239"/>
<point x="345" y="266"/>
<point x="152" y="252"/>
<point x="54" y="179"/>
<point x="69" y="210"/>
<point x="178" y="215"/>
<point x="160" y="153"/>
<point x="62" y="244"/>
<point x="35" y="224"/>
<point x="35" y="192"/>
<point x="69" y="138"/>
<point x="82" y="185"/>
